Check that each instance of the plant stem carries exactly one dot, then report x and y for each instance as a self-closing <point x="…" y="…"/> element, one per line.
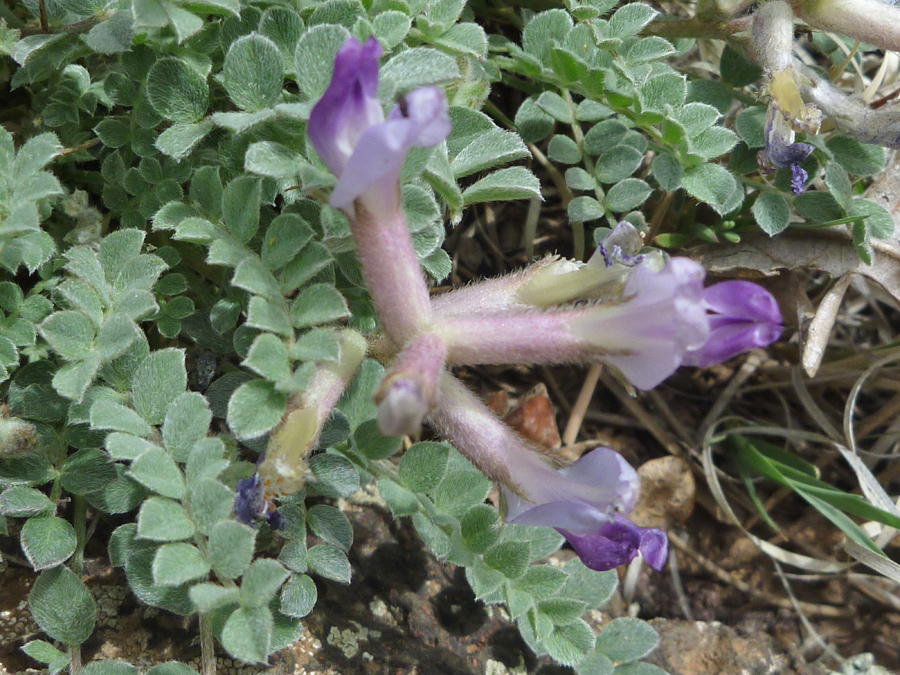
<point x="75" y="663"/>
<point x="80" y="530"/>
<point x="207" y="646"/>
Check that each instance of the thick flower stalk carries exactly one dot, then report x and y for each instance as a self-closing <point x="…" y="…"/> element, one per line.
<point x="875" y="22"/>
<point x="282" y="470"/>
<point x="366" y="152"/>
<point x="585" y="502"/>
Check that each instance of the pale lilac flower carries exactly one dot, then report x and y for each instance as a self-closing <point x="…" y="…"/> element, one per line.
<point x="584" y="501"/>
<point x="366" y="152"/>
<point x="602" y="537"/>
<point x="743" y="316"/>
<point x="660" y="318"/>
<point x="349" y="131"/>
<point x="407" y="393"/>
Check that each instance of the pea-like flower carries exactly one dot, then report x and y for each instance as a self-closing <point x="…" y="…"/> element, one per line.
<point x="349" y="131"/>
<point x="743" y="316"/>
<point x="782" y="152"/>
<point x="585" y="501"/>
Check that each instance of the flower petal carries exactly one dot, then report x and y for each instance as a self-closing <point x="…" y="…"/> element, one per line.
<point x="742" y="300"/>
<point x="349" y="106"/>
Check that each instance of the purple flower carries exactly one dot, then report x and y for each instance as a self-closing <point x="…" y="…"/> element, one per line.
<point x="782" y="152"/>
<point x="253" y="503"/>
<point x="587" y="518"/>
<point x="660" y="318"/>
<point x="618" y="542"/>
<point x="349" y="131"/>
<point x="743" y="316"/>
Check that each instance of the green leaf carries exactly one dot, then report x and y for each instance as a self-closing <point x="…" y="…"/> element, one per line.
<point x="268" y="357"/>
<point x="230" y="549"/>
<point x="159" y="380"/>
<point x="391" y="28"/>
<point x="329" y="562"/>
<point x="43" y="651"/>
<point x="480" y="527"/>
<point x="307" y="264"/>
<point x="23" y="502"/>
<point x="736" y="70"/>
<point x="70" y="333"/>
<point x="255" y="408"/>
<point x="544" y="31"/>
<point x="562" y="611"/>
<point x="265" y="315"/>
<point x="818" y="207"/>
<point x="240" y="207"/>
<point x="630" y="19"/>
<point x="772" y="213"/>
<point x="62" y="606"/>
<point x="510" y="557"/>
<point x="592" y="587"/>
<point x="541" y="581"/>
<point x="639" y="668"/>
<point x="47" y="541"/>
<point x="285" y="236"/>
<point x="585" y="209"/>
<point x="139" y="571"/>
<point x="267" y="158"/>
<point x="564" y="150"/>
<point x="879" y="221"/>
<point x="319" y="344"/>
<point x="157" y="471"/>
<point x="211" y="502"/>
<point x="248" y="633"/>
<point x="603" y="136"/>
<point x="626" y="639"/>
<point x="176" y="91"/>
<point x="180" y="139"/>
<point x="335" y="475"/>
<point x="253" y="73"/>
<point x="318" y="304"/>
<point x="424" y="466"/>
<point x="618" y="163"/>
<point x="330" y="525"/>
<point x="490" y="148"/>
<point x="171" y="668"/>
<point x="484" y="580"/>
<point x="532" y="122"/>
<point x="127" y="446"/>
<point x="207" y="597"/>
<point x="594" y="663"/>
<point x="419" y="67"/>
<point x="627" y="194"/>
<point x="299" y="595"/>
<point x="206" y="460"/>
<point x="294" y="554"/>
<point x="400" y="501"/>
<point x="120" y="496"/>
<point x="176" y="564"/>
<point x="860" y="159"/>
<point x="667" y="171"/>
<point x="88" y="470"/>
<point x="710" y="183"/>
<point x="568" y="644"/>
<point x="516" y="182"/>
<point x="261" y="582"/>
<point x="314" y="58"/>
<point x="164" y="520"/>
<point x="187" y="421"/>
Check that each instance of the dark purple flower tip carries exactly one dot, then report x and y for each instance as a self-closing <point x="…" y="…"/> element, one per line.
<point x="618" y="542"/>
<point x="275" y="519"/>
<point x="250" y="502"/>
<point x="745" y="316"/>
<point x="799" y="176"/>
<point x="783" y="153"/>
<point x="348" y="129"/>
